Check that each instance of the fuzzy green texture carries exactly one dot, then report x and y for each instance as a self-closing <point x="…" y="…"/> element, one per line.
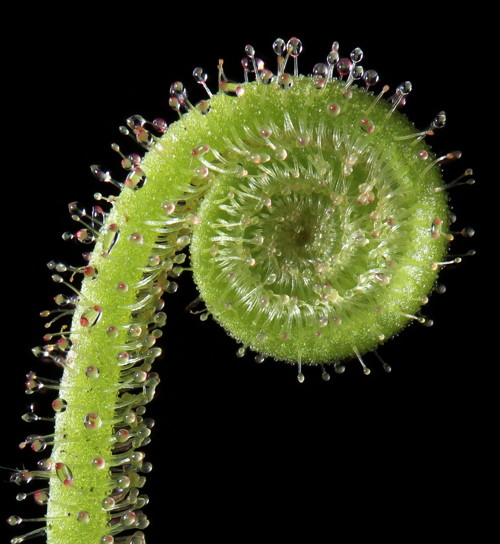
<point x="171" y="169"/>
<point x="75" y="445"/>
<point x="365" y="312"/>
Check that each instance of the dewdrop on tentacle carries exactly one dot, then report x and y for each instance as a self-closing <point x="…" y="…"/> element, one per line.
<point x="316" y="221"/>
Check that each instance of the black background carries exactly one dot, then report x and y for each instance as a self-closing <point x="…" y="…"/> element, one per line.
<point x="243" y="450"/>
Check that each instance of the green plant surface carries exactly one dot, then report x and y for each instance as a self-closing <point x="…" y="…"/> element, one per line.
<point x="205" y="158"/>
<point x="314" y="220"/>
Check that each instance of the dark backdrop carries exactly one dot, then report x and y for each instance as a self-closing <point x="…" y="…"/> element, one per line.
<point x="243" y="450"/>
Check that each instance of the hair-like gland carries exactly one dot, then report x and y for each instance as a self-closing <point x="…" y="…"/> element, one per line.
<point x="337" y="157"/>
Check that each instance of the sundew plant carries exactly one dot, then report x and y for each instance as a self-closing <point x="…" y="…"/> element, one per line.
<point x="315" y="221"/>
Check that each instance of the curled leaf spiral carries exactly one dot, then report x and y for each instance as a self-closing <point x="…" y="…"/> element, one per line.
<point x="314" y="219"/>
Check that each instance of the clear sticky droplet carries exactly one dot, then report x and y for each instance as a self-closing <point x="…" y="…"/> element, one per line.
<point x="39" y="444"/>
<point x="294" y="47"/>
<point x="92" y="421"/>
<point x="110" y="238"/>
<point x="280" y="154"/>
<point x="122" y="435"/>
<point x="64" y="474"/>
<point x="250" y="51"/>
<point x="285" y="81"/>
<point x="136" y="238"/>
<point x="266" y="76"/>
<point x="200" y="75"/>
<point x="320" y="69"/>
<point x="122" y="287"/>
<point x="168" y="207"/>
<point x="370" y="77"/>
<point x="367" y="125"/>
<point x="332" y="57"/>
<point x="99" y="174"/>
<point x="98" y="462"/>
<point x="29" y="417"/>
<point x="90" y="316"/>
<point x="356" y="55"/>
<point x="136" y="179"/>
<point x="344" y="66"/>
<point x="129" y="518"/>
<point x="174" y="103"/>
<point x="90" y="272"/>
<point x="160" y="125"/>
<point x="439" y="121"/>
<point x="41" y="497"/>
<point x="203" y="107"/>
<point x="176" y="88"/>
<point x="279" y="46"/>
<point x="129" y="418"/>
<point x="357" y="72"/>
<point x="405" y="88"/>
<point x="83" y="517"/>
<point x="339" y="368"/>
<point x="59" y="405"/>
<point x="107" y="504"/>
<point x="241" y="351"/>
<point x="136" y="121"/>
<point x="112" y="331"/>
<point x="45" y="464"/>
<point x="92" y="372"/>
<point x="123" y="482"/>
<point x="140" y="376"/>
<point x="333" y="108"/>
<point x="271" y="278"/>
